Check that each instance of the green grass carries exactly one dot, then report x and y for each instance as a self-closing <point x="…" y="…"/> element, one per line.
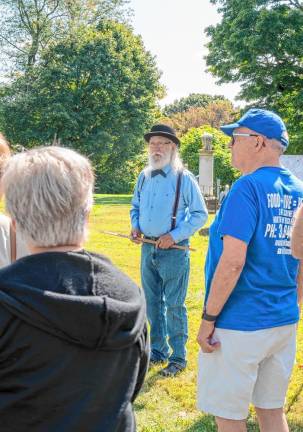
<point x="168" y="404"/>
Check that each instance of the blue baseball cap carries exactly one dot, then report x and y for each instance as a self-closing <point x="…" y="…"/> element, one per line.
<point x="262" y="121"/>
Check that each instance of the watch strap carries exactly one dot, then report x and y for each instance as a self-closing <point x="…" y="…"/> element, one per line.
<point x="208" y="317"/>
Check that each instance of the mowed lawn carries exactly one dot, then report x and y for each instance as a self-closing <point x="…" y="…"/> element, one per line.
<point x="168" y="404"/>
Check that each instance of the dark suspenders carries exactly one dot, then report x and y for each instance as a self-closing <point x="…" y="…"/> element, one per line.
<point x="177" y="197"/>
<point x="142" y="183"/>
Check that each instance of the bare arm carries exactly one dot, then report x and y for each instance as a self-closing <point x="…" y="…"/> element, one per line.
<point x="300" y="285"/>
<point x="225" y="278"/>
<point x="297" y="235"/>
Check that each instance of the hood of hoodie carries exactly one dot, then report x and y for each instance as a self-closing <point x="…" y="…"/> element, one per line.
<point x="80" y="297"/>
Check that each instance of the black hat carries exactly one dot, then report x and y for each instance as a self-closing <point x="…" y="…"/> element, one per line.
<point x="162" y="130"/>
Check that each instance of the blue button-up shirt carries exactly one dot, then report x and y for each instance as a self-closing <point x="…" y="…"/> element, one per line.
<point x="153" y="202"/>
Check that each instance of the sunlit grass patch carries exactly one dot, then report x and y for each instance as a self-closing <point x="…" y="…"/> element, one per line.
<point x="169" y="404"/>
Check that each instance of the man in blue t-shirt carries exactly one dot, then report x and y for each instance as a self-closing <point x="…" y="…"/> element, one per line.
<point x="248" y="329"/>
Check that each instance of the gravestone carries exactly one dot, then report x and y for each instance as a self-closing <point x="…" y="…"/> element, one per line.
<point x="206" y="172"/>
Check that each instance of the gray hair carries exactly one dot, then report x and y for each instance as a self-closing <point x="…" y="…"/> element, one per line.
<point x="4" y="152"/>
<point x="49" y="193"/>
<point x="176" y="161"/>
<point x="276" y="145"/>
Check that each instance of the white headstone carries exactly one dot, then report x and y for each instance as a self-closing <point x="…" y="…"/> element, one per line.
<point x="206" y="172"/>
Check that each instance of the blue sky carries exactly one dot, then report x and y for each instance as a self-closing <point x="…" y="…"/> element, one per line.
<point x="172" y="30"/>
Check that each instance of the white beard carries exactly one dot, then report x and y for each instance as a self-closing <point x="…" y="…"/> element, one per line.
<point x="157" y="161"/>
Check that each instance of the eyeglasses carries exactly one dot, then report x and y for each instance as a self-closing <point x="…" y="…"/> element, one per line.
<point x="159" y="143"/>
<point x="235" y="134"/>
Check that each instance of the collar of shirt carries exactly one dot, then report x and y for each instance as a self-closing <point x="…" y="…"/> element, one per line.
<point x="157" y="172"/>
<point x="167" y="168"/>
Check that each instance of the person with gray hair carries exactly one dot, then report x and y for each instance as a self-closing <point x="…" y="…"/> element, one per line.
<point x="167" y="208"/>
<point x="11" y="245"/>
<point x="248" y="329"/>
<point x="73" y="337"/>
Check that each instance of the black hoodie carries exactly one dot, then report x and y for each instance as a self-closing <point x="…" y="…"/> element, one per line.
<point x="73" y="345"/>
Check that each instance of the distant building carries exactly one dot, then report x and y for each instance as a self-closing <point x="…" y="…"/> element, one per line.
<point x="294" y="163"/>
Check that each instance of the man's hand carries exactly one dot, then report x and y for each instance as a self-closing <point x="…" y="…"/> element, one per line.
<point x="165" y="241"/>
<point x="204" y="337"/>
<point x="135" y="234"/>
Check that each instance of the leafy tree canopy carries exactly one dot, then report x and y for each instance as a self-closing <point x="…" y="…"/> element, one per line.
<point x="191" y="144"/>
<point x="259" y="44"/>
<point x="193" y="100"/>
<point x="214" y="114"/>
<point x="95" y="91"/>
<point x="27" y="27"/>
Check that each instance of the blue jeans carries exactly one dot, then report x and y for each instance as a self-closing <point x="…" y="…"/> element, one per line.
<point x="164" y="274"/>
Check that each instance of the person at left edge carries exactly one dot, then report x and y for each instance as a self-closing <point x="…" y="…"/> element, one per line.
<point x="169" y="214"/>
<point x="73" y="340"/>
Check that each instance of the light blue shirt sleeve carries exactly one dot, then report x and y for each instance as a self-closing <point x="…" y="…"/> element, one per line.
<point x="195" y="214"/>
<point x="134" y="212"/>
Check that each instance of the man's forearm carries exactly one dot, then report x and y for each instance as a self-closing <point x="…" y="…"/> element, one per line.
<point x="300" y="284"/>
<point x="187" y="228"/>
<point x="134" y="217"/>
<point x="224" y="281"/>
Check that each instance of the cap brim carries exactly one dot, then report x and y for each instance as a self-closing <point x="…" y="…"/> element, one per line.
<point x="228" y="129"/>
<point x="172" y="137"/>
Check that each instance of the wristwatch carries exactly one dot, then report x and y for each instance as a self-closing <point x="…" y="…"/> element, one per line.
<point x="207" y="317"/>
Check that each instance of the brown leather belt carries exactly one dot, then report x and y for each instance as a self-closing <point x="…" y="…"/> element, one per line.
<point x="151" y="238"/>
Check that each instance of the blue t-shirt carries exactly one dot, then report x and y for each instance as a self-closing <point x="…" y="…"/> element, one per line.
<point x="259" y="210"/>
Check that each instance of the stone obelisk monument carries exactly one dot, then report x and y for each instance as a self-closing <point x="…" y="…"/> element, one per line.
<point x="206" y="165"/>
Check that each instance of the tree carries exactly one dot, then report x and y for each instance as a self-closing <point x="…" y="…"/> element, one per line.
<point x="96" y="91"/>
<point x="191" y="101"/>
<point x="191" y="144"/>
<point x="27" y="27"/>
<point x="259" y="43"/>
<point x="214" y="114"/>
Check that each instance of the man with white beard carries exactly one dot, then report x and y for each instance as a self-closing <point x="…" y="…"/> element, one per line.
<point x="167" y="207"/>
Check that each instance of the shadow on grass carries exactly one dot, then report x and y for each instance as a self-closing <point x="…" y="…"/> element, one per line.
<point x="149" y="382"/>
<point x="294" y="399"/>
<point x="295" y="425"/>
<point x="112" y="200"/>
<point x="207" y="423"/>
<point x="151" y="379"/>
<point x="204" y="232"/>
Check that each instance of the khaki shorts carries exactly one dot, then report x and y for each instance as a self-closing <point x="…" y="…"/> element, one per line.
<point x="252" y="366"/>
